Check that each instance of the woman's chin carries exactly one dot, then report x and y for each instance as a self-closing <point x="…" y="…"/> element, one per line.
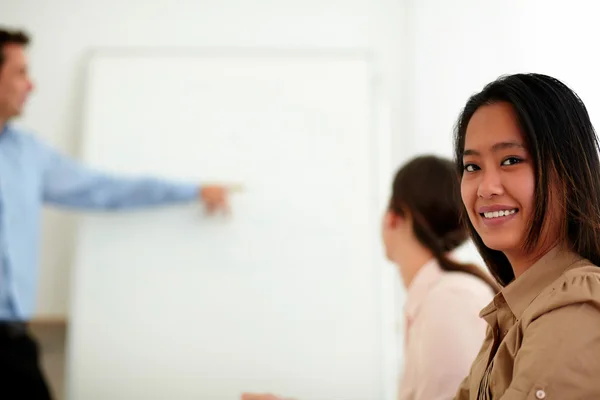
<point x="499" y="244"/>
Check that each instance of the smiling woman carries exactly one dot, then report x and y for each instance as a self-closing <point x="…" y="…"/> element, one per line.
<point x="527" y="154"/>
<point x="500" y="209"/>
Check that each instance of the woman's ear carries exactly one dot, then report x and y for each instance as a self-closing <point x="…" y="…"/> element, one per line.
<point x="389" y="220"/>
<point x="393" y="220"/>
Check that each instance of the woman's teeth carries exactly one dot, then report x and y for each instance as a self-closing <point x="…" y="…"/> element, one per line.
<point x="502" y="213"/>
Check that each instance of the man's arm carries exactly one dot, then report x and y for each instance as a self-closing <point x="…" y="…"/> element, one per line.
<point x="70" y="184"/>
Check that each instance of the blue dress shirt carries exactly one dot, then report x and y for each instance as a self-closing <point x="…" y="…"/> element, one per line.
<point x="33" y="174"/>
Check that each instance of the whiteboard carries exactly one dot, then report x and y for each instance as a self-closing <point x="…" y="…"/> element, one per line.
<point x="285" y="294"/>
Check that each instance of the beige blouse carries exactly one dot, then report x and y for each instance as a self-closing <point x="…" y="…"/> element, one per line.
<point x="543" y="335"/>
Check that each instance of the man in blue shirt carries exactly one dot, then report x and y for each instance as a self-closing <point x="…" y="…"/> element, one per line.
<point x="31" y="174"/>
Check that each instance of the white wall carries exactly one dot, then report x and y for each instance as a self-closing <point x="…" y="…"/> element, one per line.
<point x="64" y="30"/>
<point x="455" y="48"/>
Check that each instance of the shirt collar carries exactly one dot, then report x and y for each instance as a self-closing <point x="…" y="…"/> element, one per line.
<point x="521" y="292"/>
<point x="425" y="278"/>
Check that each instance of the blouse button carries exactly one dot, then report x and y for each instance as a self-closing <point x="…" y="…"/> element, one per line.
<point x="540" y="394"/>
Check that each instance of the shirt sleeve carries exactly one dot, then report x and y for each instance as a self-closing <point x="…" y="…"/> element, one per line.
<point x="449" y="340"/>
<point x="66" y="182"/>
<point x="558" y="358"/>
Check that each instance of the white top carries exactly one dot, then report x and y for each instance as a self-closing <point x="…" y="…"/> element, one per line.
<point x="443" y="331"/>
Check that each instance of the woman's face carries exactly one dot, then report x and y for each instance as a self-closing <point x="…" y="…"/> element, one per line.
<point x="498" y="181"/>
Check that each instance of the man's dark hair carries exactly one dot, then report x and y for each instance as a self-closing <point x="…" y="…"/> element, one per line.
<point x="8" y="36"/>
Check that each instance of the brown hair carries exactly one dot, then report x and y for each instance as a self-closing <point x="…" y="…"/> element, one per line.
<point x="11" y="37"/>
<point x="428" y="189"/>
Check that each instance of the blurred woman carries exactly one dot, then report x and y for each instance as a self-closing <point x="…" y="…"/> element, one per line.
<point x="528" y="156"/>
<point x="444" y="297"/>
<point x="420" y="229"/>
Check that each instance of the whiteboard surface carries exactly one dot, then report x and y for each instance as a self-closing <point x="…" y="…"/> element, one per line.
<point x="284" y="294"/>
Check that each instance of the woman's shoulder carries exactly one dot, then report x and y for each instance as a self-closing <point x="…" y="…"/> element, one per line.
<point x="461" y="285"/>
<point x="581" y="271"/>
<point x="577" y="285"/>
<point x="580" y="282"/>
<point x="461" y="281"/>
<point x="456" y="295"/>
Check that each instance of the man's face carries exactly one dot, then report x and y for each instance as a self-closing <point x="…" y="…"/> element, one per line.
<point x="15" y="84"/>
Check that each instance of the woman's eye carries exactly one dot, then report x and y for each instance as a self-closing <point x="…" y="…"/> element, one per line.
<point x="470" y="167"/>
<point x="511" y="161"/>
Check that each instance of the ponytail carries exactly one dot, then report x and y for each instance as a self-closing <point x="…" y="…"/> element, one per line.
<point x="441" y="246"/>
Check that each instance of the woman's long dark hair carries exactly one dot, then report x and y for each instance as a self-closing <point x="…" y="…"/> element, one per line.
<point x="563" y="145"/>
<point x="428" y="189"/>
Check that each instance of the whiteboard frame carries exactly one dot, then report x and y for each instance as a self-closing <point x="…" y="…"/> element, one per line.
<point x="381" y="147"/>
